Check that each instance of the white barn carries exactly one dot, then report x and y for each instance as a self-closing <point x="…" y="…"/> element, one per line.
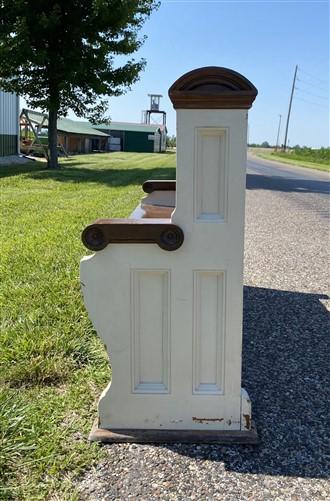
<point x="9" y="124"/>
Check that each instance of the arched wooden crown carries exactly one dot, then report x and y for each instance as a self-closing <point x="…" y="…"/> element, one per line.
<point x="212" y="87"/>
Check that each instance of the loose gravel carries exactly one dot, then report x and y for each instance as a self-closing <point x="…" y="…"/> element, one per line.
<point x="285" y="366"/>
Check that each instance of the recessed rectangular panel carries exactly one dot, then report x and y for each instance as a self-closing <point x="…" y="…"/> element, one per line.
<point x="150" y="318"/>
<point x="211" y="174"/>
<point x="209" y="327"/>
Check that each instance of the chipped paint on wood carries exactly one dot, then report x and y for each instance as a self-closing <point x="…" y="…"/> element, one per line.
<point x="245" y="411"/>
<point x="206" y="420"/>
<point x="247" y="418"/>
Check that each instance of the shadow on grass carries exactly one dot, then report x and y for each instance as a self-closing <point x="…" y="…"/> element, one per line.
<point x="110" y="177"/>
<point x="285" y="361"/>
<point x="23" y="168"/>
<point x="75" y="174"/>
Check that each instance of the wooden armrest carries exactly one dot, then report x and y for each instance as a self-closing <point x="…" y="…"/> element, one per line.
<point x="102" y="232"/>
<point x="161" y="185"/>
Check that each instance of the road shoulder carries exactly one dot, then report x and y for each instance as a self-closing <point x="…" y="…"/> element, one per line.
<point x="299" y="169"/>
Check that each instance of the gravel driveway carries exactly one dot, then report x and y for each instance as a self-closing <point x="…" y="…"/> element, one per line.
<point x="285" y="365"/>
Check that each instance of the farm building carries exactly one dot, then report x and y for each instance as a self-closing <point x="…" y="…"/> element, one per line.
<point x="72" y="136"/>
<point x="9" y="125"/>
<point x="76" y="137"/>
<point x="135" y="137"/>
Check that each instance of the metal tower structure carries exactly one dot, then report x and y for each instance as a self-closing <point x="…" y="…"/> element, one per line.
<point x="154" y="108"/>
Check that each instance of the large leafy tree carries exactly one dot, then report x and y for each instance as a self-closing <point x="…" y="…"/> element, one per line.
<point x="63" y="54"/>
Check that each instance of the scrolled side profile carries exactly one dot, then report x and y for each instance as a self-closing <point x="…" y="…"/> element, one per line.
<point x="171" y="238"/>
<point x="162" y="232"/>
<point x="94" y="238"/>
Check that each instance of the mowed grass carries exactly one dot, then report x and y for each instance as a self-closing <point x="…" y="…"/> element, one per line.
<point x="297" y="157"/>
<point x="52" y="364"/>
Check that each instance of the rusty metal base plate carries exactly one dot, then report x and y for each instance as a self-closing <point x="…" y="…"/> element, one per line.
<point x="165" y="436"/>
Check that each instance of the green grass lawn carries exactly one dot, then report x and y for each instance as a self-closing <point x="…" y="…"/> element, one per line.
<point x="293" y="158"/>
<point x="52" y="364"/>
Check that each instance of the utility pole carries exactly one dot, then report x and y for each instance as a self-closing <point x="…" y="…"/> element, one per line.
<point x="278" y="132"/>
<point x="289" y="112"/>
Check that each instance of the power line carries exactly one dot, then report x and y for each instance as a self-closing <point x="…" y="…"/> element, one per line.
<point x="317" y="86"/>
<point x="311" y="102"/>
<point x="312" y="76"/>
<point x="312" y="94"/>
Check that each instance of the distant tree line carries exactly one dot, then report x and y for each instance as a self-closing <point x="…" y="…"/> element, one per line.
<point x="302" y="149"/>
<point x="265" y="144"/>
<point x="171" y="142"/>
<point x="297" y="152"/>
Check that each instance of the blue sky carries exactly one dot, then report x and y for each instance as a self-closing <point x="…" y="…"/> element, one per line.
<point x="263" y="40"/>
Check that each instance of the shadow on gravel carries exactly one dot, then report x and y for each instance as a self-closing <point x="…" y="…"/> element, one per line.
<point x="281" y="183"/>
<point x="285" y="366"/>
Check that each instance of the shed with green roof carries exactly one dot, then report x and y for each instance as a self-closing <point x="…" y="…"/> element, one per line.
<point x="144" y="138"/>
<point x="72" y="136"/>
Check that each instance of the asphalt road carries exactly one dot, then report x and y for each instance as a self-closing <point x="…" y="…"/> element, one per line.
<point x="287" y="226"/>
<point x="285" y="364"/>
<point x="268" y="168"/>
<point x="270" y="175"/>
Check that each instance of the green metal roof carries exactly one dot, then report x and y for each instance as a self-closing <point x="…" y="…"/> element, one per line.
<point x="35" y="116"/>
<point x="73" y="127"/>
<point x="86" y="128"/>
<point x="126" y="126"/>
<point x="65" y="124"/>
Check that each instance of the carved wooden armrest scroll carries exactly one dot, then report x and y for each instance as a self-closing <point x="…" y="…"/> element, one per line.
<point x="102" y="232"/>
<point x="159" y="185"/>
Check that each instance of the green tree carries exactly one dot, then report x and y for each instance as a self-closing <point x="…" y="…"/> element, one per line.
<point x="171" y="141"/>
<point x="62" y="54"/>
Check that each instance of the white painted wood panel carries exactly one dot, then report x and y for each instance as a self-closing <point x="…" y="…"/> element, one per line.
<point x="209" y="328"/>
<point x="172" y="321"/>
<point x="106" y="280"/>
<point x="141" y="401"/>
<point x="150" y="324"/>
<point x="210" y="176"/>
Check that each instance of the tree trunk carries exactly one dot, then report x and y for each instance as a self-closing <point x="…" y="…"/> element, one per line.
<point x="52" y="140"/>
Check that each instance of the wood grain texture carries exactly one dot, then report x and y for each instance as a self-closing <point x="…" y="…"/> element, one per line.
<point x="212" y="87"/>
<point x="160" y="185"/>
<point x="144" y="231"/>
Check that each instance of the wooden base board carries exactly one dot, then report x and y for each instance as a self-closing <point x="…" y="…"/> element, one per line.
<point x="165" y="436"/>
